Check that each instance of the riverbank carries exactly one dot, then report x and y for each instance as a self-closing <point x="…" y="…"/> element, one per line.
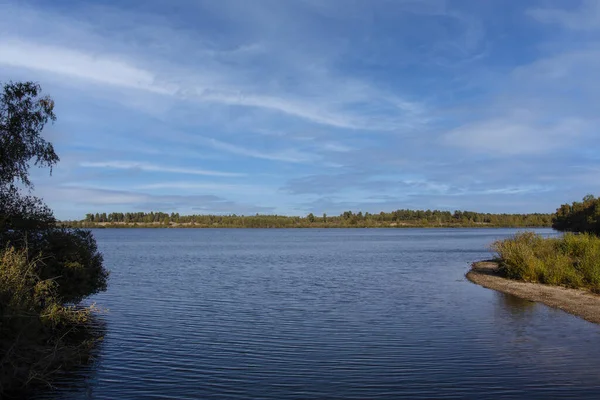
<point x="579" y="302"/>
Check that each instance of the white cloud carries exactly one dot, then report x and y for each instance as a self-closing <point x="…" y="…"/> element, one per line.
<point x="585" y="18"/>
<point x="142" y="166"/>
<point x="208" y="186"/>
<point x="508" y="136"/>
<point x="330" y="106"/>
<point x="568" y="77"/>
<point x="292" y="156"/>
<point x="335" y="147"/>
<point x="77" y="64"/>
<point x="544" y="106"/>
<point x="515" y="190"/>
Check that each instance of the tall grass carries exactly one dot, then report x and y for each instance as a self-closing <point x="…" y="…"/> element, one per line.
<point x="39" y="335"/>
<point x="572" y="260"/>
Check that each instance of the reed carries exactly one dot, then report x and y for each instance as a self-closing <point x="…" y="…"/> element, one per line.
<point x="40" y="334"/>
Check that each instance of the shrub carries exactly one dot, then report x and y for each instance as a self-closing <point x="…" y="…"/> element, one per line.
<point x="69" y="257"/>
<point x="572" y="260"/>
<point x="72" y="260"/>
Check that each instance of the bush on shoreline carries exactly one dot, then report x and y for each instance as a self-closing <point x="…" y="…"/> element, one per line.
<point x="572" y="260"/>
<point x="45" y="270"/>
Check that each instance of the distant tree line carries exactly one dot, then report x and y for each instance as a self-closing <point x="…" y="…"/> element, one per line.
<point x="398" y="218"/>
<point x="583" y="216"/>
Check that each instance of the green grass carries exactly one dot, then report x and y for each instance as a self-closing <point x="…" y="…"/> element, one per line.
<point x="572" y="260"/>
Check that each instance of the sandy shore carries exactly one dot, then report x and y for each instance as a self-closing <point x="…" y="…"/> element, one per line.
<point x="581" y="303"/>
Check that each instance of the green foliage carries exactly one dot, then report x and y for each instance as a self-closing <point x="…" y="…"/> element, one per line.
<point x="572" y="260"/>
<point x="22" y="213"/>
<point x="70" y="258"/>
<point x="581" y="216"/>
<point x="398" y="218"/>
<point x="23" y="115"/>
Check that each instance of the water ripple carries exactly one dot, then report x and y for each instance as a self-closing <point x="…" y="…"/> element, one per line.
<point x="324" y="314"/>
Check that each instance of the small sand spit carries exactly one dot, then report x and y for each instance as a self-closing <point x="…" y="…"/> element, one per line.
<point x="581" y="303"/>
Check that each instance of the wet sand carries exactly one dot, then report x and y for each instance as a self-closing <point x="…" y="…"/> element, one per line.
<point x="581" y="303"/>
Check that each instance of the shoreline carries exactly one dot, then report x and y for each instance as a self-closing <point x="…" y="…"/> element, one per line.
<point x="315" y="226"/>
<point x="579" y="302"/>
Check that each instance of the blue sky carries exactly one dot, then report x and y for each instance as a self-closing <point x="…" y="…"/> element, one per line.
<point x="299" y="106"/>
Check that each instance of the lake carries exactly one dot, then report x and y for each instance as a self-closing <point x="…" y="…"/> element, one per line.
<point x="323" y="314"/>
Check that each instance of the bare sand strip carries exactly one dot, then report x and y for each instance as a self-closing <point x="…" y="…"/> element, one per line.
<point x="581" y="303"/>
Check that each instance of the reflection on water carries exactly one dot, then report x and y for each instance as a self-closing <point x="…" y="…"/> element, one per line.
<point x="515" y="305"/>
<point x="79" y="380"/>
<point x="331" y="314"/>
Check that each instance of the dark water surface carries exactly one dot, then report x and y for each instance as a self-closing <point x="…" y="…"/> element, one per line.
<point x="328" y="314"/>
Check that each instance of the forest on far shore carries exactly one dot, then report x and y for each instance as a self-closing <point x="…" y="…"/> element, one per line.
<point x="398" y="218"/>
<point x="579" y="216"/>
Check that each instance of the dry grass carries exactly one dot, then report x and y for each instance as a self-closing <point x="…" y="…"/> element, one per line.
<point x="38" y="335"/>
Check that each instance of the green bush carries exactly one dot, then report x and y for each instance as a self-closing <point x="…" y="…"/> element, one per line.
<point x="572" y="260"/>
<point x="41" y="280"/>
<point x="69" y="257"/>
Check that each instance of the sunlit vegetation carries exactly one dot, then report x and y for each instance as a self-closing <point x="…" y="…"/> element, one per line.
<point x="572" y="260"/>
<point x="581" y="216"/>
<point x="40" y="333"/>
<point x="348" y="219"/>
<point x="45" y="269"/>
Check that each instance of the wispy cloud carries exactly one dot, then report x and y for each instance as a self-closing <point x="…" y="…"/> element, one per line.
<point x="513" y="136"/>
<point x="141" y="166"/>
<point x="517" y="190"/>
<point x="292" y="156"/>
<point x="247" y="66"/>
<point x="239" y="188"/>
<point x="333" y="104"/>
<point x="336" y="147"/>
<point x="191" y="185"/>
<point x="586" y="17"/>
<point x="87" y="199"/>
<point x="76" y="64"/>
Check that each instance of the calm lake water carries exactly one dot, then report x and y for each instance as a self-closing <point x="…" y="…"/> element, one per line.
<point x="323" y="314"/>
